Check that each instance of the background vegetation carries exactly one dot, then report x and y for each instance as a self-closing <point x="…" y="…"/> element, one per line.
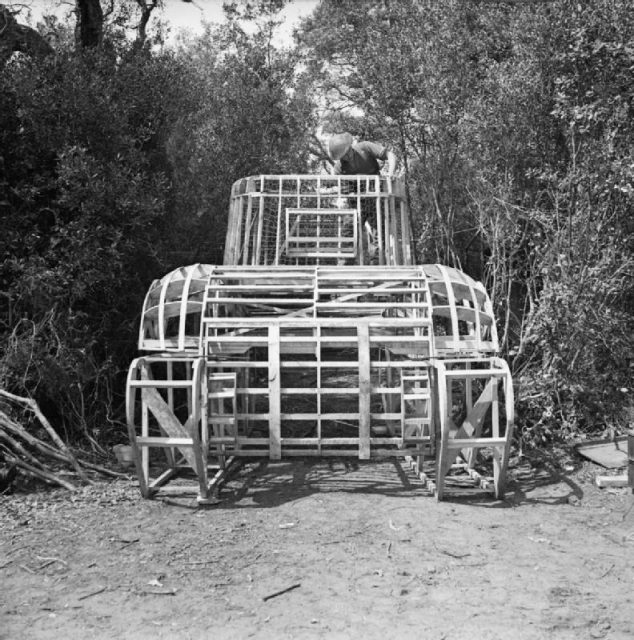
<point x="513" y="121"/>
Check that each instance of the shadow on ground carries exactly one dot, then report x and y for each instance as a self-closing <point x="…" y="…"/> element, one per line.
<point x="268" y="484"/>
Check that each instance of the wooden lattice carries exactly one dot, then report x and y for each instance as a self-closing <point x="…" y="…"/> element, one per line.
<point x="318" y="337"/>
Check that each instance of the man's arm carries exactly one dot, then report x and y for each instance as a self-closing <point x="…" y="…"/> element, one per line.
<point x="392" y="161"/>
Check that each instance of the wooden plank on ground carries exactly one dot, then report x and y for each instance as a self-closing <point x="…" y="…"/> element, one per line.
<point x="611" y="454"/>
<point x="611" y="481"/>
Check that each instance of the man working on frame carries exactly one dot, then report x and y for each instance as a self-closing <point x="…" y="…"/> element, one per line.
<point x="360" y="158"/>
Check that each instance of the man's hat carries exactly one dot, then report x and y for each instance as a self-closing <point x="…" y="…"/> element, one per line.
<point x="338" y="145"/>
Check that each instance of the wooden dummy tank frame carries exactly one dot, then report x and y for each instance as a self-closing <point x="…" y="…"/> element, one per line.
<point x="317" y="337"/>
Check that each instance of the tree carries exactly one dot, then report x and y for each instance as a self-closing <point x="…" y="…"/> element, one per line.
<point x="514" y="123"/>
<point x="117" y="166"/>
<point x="16" y="37"/>
<point x="250" y="113"/>
<point x="578" y="347"/>
<point x="84" y="189"/>
<point x="89" y="30"/>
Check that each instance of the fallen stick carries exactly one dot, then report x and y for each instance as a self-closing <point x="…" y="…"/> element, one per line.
<point x="281" y="591"/>
<point x="126" y="543"/>
<point x="18" y="430"/>
<point x="51" y="559"/>
<point x="106" y="472"/>
<point x="23" y="566"/>
<point x="458" y="556"/>
<point x="16" y="447"/>
<point x="47" y="450"/>
<point x="92" y="593"/>
<point x="605" y="573"/>
<point x="37" y="473"/>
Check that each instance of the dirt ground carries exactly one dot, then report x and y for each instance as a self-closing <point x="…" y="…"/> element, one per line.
<point x="323" y="549"/>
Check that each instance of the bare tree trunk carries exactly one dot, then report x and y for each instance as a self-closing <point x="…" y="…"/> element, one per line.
<point x="89" y="29"/>
<point x="146" y="7"/>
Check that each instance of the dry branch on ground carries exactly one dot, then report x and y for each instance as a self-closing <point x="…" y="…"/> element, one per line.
<point x="34" y="457"/>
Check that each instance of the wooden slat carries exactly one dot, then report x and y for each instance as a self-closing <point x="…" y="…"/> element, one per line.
<point x="456" y="444"/>
<point x="274" y="392"/>
<point x="156" y="441"/>
<point x="313" y="415"/>
<point x="293" y="322"/>
<point x="161" y="384"/>
<point x="365" y="389"/>
<point x="475" y="373"/>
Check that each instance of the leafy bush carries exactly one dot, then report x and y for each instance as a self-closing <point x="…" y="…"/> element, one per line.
<point x="116" y="165"/>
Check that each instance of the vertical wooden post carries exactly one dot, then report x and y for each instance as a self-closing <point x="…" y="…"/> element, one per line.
<point x="443" y="423"/>
<point x="381" y="214"/>
<point x="386" y="234"/>
<point x="630" y="460"/>
<point x="509" y="414"/>
<point x="499" y="467"/>
<point x="468" y="386"/>
<point x="194" y="424"/>
<point x="275" y="400"/>
<point x="188" y="376"/>
<point x="363" y="334"/>
<point x="407" y="234"/>
<point x="278" y="243"/>
<point x="318" y="369"/>
<point x="495" y="409"/>
<point x="247" y="232"/>
<point x="451" y="301"/>
<point x="257" y="253"/>
<point x="169" y="451"/>
<point x="145" y="431"/>
<point x="131" y="396"/>
<point x="362" y="239"/>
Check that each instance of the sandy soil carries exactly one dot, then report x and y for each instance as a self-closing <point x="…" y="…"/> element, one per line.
<point x="356" y="550"/>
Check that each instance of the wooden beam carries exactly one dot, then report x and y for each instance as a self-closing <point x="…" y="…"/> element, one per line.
<point x="275" y="401"/>
<point x="611" y="481"/>
<point x="365" y="389"/>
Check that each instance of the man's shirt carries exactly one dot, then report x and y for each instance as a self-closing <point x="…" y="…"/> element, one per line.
<point x="362" y="158"/>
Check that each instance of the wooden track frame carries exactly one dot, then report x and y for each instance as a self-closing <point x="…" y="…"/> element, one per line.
<point x="467" y="438"/>
<point x="296" y="298"/>
<point x="181" y="442"/>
